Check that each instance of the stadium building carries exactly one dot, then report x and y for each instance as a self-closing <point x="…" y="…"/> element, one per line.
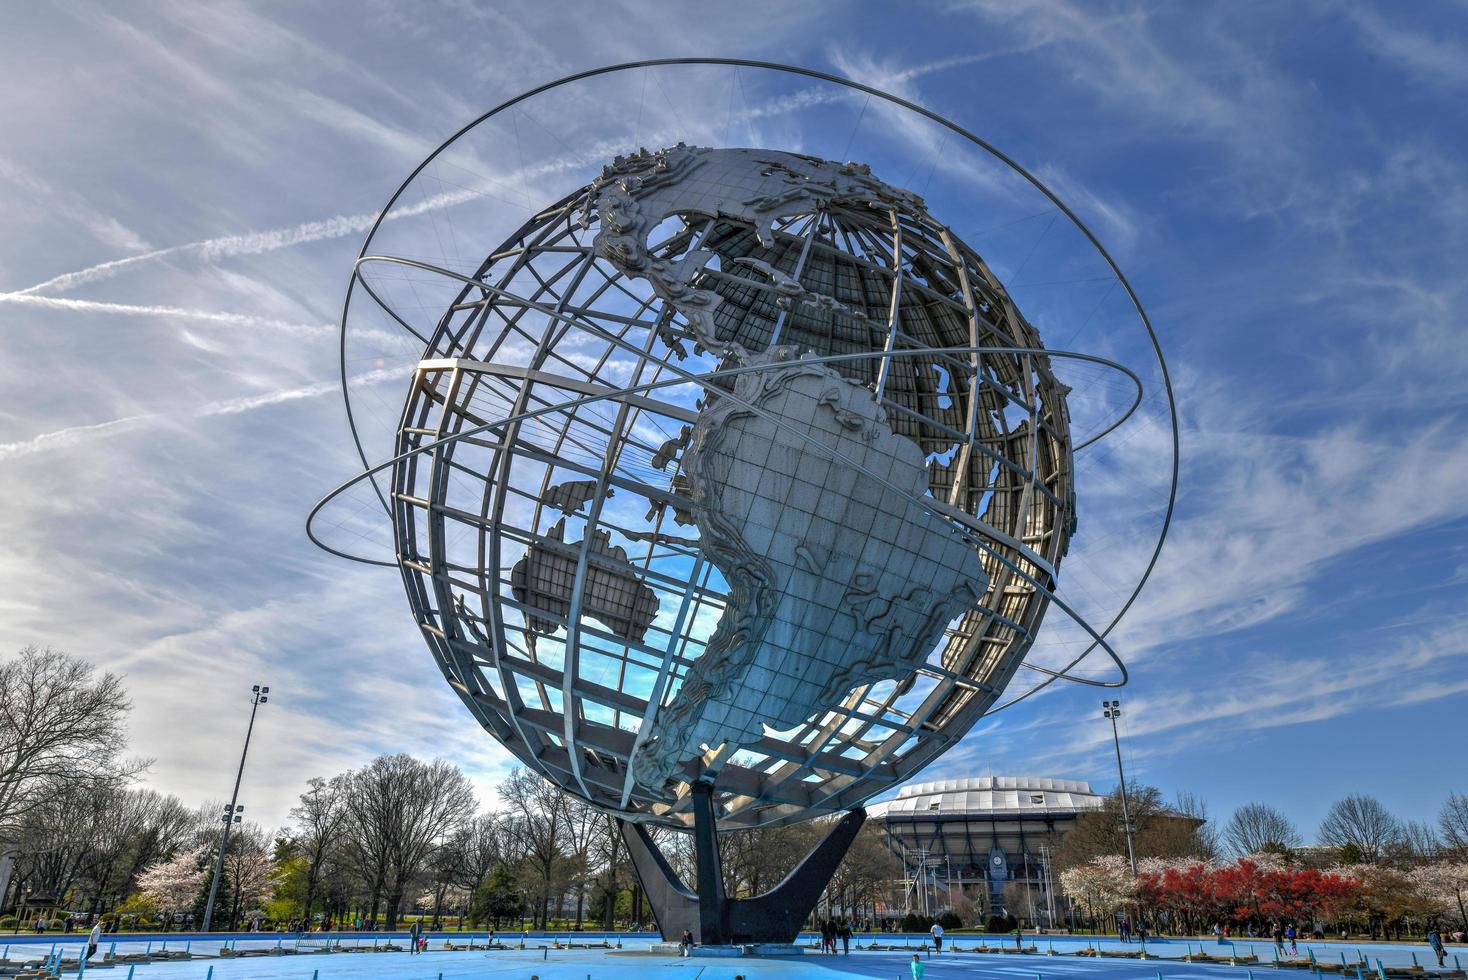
<point x="969" y="839"/>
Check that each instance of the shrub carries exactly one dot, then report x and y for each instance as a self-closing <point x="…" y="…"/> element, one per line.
<point x="913" y="922"/>
<point x="999" y="923"/>
<point x="950" y="920"/>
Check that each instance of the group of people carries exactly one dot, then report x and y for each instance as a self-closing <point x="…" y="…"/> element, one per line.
<point x="831" y="932"/>
<point x="1124" y="930"/>
<point x="1282" y="936"/>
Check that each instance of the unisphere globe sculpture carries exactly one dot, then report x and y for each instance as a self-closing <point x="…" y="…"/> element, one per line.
<point x="733" y="487"/>
<point x="800" y="577"/>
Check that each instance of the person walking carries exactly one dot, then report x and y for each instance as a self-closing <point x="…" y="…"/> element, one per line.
<point x="1290" y="935"/>
<point x="414" y="931"/>
<point x="94" y="939"/>
<point x="1436" y="942"/>
<point x="1019" y="939"/>
<point x="917" y="968"/>
<point x="937" y="932"/>
<point x="845" y="933"/>
<point x="1277" y="935"/>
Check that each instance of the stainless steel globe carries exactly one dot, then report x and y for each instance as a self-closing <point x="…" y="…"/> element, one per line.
<point x="738" y="466"/>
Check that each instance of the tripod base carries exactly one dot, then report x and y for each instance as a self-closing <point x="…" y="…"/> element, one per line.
<point x="714" y="919"/>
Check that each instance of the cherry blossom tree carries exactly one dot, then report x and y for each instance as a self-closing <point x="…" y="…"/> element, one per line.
<point x="1446" y="886"/>
<point x="1104" y="885"/>
<point x="174" y="883"/>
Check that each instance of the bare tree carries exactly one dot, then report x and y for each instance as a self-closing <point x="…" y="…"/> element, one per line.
<point x="60" y="721"/>
<point x="124" y="835"/>
<point x="1159" y="830"/>
<point x="865" y="874"/>
<point x="320" y="818"/>
<point x="439" y="801"/>
<point x="584" y="824"/>
<point x="161" y="828"/>
<point x="443" y="869"/>
<point x="482" y="845"/>
<point x="59" y="833"/>
<point x="1360" y="824"/>
<point x="1452" y="820"/>
<point x="86" y="839"/>
<point x="466" y="858"/>
<point x="756" y="860"/>
<point x="613" y="868"/>
<point x="247" y="867"/>
<point x="1258" y="827"/>
<point x="1194" y="807"/>
<point x="371" y="801"/>
<point x="1021" y="901"/>
<point x="1418" y="843"/>
<point x="400" y="809"/>
<point x="539" y="817"/>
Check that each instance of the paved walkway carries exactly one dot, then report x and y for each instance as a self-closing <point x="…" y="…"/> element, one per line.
<point x="602" y="965"/>
<point x="635" y="963"/>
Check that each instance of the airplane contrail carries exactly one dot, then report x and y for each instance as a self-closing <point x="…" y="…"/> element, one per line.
<point x="251" y="243"/>
<point x="128" y="309"/>
<point x="79" y="434"/>
<point x="70" y="436"/>
<point x="234" y="406"/>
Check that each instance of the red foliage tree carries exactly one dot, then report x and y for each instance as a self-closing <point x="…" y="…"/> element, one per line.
<point x="1243" y="891"/>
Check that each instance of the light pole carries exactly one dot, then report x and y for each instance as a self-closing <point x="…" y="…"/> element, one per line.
<point x="1049" y="886"/>
<point x="911" y="857"/>
<point x="1112" y="710"/>
<point x="948" y="875"/>
<point x="231" y="811"/>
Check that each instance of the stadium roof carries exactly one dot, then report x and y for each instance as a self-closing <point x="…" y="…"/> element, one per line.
<point x="988" y="796"/>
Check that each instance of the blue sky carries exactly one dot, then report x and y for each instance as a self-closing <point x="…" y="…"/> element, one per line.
<point x="1285" y="185"/>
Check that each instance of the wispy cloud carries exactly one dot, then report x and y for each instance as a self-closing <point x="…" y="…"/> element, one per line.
<point x="71" y="205"/>
<point x="1423" y="56"/>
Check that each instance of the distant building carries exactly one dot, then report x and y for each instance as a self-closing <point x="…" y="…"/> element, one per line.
<point x="972" y="837"/>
